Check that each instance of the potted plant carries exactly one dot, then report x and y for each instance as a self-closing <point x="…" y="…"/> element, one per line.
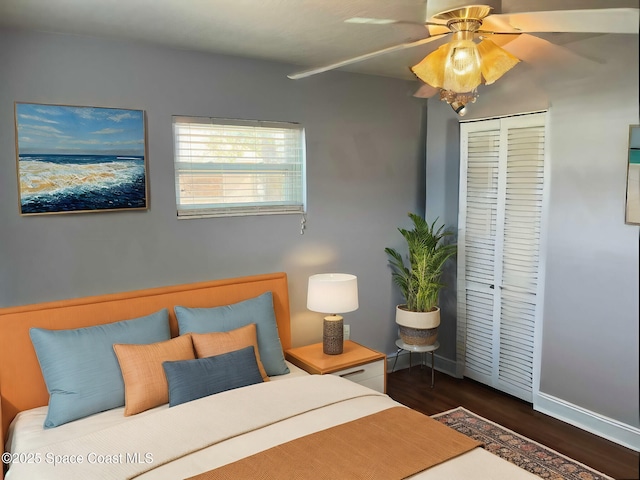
<point x="419" y="280"/>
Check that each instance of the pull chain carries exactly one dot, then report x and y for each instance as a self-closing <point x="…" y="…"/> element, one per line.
<point x="303" y="223"/>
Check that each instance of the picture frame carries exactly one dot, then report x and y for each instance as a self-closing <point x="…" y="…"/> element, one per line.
<point x="79" y="159"/>
<point x="632" y="206"/>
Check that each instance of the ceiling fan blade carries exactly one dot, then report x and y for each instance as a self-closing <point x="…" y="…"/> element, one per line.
<point x="421" y="24"/>
<point x="542" y="54"/>
<point x="360" y="58"/>
<point x="606" y="20"/>
<point x="426" y="91"/>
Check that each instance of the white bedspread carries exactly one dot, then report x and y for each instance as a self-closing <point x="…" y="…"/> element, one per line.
<point x="171" y="443"/>
<point x="32" y="436"/>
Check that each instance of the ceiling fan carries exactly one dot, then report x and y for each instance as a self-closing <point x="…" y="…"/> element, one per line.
<point x="457" y="68"/>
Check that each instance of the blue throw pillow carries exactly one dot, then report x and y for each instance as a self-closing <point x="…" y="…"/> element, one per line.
<point x="258" y="310"/>
<point x="192" y="379"/>
<point x="81" y="369"/>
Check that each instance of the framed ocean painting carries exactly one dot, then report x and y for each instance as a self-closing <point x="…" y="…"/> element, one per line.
<point x="632" y="212"/>
<point x="74" y="159"/>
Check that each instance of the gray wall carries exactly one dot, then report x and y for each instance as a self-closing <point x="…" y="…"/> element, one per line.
<point x="589" y="355"/>
<point x="365" y="159"/>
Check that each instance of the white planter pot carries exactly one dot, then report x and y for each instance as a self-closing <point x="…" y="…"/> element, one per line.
<point x="418" y="328"/>
<point x="417" y="319"/>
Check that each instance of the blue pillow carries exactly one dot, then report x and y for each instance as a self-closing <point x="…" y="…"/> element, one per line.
<point x="258" y="310"/>
<point x="192" y="379"/>
<point x="81" y="369"/>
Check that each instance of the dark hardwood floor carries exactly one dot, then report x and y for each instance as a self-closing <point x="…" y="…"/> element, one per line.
<point x="412" y="388"/>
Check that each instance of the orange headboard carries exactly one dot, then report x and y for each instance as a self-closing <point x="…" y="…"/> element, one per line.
<point x="21" y="384"/>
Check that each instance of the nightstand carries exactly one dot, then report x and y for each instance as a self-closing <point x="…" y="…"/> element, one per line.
<point x="356" y="363"/>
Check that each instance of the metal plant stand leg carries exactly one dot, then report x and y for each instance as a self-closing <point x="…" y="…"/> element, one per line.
<point x="423" y="363"/>
<point x="432" y="374"/>
<point x="423" y="350"/>
<point x="395" y="360"/>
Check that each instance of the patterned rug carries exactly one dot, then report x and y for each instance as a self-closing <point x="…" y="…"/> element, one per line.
<point x="527" y="454"/>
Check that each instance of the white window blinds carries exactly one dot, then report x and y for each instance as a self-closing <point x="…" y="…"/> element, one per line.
<point x="234" y="167"/>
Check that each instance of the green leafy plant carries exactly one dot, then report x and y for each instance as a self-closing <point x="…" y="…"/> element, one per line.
<point x="419" y="281"/>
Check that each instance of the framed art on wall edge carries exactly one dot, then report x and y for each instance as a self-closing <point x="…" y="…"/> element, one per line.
<point x="75" y="159"/>
<point x="632" y="210"/>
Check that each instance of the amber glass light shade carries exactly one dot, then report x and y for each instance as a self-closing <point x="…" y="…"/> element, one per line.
<point x="496" y="61"/>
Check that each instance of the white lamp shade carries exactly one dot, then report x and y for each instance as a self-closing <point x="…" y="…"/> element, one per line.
<point x="332" y="293"/>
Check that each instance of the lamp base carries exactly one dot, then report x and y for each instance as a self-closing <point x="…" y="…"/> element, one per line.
<point x="332" y="335"/>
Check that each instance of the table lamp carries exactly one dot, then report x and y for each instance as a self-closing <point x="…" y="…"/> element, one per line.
<point x="332" y="293"/>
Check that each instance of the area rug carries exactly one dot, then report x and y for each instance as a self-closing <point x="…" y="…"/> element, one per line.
<point x="521" y="451"/>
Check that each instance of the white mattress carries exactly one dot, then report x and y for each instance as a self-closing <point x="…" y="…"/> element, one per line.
<point x="283" y="398"/>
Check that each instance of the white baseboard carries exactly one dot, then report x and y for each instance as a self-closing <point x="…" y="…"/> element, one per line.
<point x="618" y="432"/>
<point x="445" y="365"/>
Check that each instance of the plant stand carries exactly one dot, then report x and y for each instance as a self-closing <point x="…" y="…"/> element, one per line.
<point x="422" y="350"/>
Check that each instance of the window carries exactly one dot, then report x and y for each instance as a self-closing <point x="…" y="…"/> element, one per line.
<point x="235" y="167"/>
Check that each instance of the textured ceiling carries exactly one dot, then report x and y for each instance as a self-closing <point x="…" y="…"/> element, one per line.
<point x="307" y="33"/>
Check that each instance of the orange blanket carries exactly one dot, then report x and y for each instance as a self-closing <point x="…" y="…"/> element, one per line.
<point x="392" y="444"/>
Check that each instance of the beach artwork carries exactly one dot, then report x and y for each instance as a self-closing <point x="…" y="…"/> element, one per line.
<point x="633" y="177"/>
<point x="80" y="159"/>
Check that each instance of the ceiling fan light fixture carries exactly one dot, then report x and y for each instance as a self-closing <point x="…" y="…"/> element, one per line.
<point x="459" y="107"/>
<point x="496" y="61"/>
<point x="460" y="66"/>
<point x="458" y="101"/>
<point x="430" y="69"/>
<point x="463" y="65"/>
<point x="459" y="11"/>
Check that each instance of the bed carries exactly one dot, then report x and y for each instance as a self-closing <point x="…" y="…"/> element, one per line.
<point x="207" y="436"/>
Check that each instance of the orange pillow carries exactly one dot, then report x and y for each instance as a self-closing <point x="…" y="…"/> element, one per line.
<point x="145" y="383"/>
<point x="217" y="343"/>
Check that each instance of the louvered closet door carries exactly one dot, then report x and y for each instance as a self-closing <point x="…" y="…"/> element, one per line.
<point x="479" y="193"/>
<point x="499" y="264"/>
